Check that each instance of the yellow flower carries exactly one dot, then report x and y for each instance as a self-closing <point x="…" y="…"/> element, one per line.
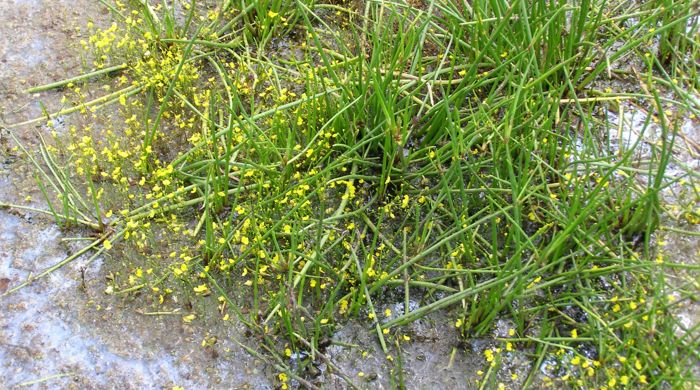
<point x="272" y="14"/>
<point x="107" y="244"/>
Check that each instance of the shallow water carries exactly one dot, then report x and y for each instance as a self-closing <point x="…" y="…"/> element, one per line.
<point x="56" y="327"/>
<point x="678" y="196"/>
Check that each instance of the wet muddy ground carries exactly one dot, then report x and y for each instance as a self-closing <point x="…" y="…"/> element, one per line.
<point x="64" y="332"/>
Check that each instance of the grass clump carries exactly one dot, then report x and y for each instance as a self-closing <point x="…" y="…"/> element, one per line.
<point x="296" y="164"/>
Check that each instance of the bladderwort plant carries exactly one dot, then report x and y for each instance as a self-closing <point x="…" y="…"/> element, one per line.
<point x="297" y="164"/>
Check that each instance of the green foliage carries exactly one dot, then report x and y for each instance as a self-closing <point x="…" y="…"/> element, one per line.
<point x="449" y="153"/>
